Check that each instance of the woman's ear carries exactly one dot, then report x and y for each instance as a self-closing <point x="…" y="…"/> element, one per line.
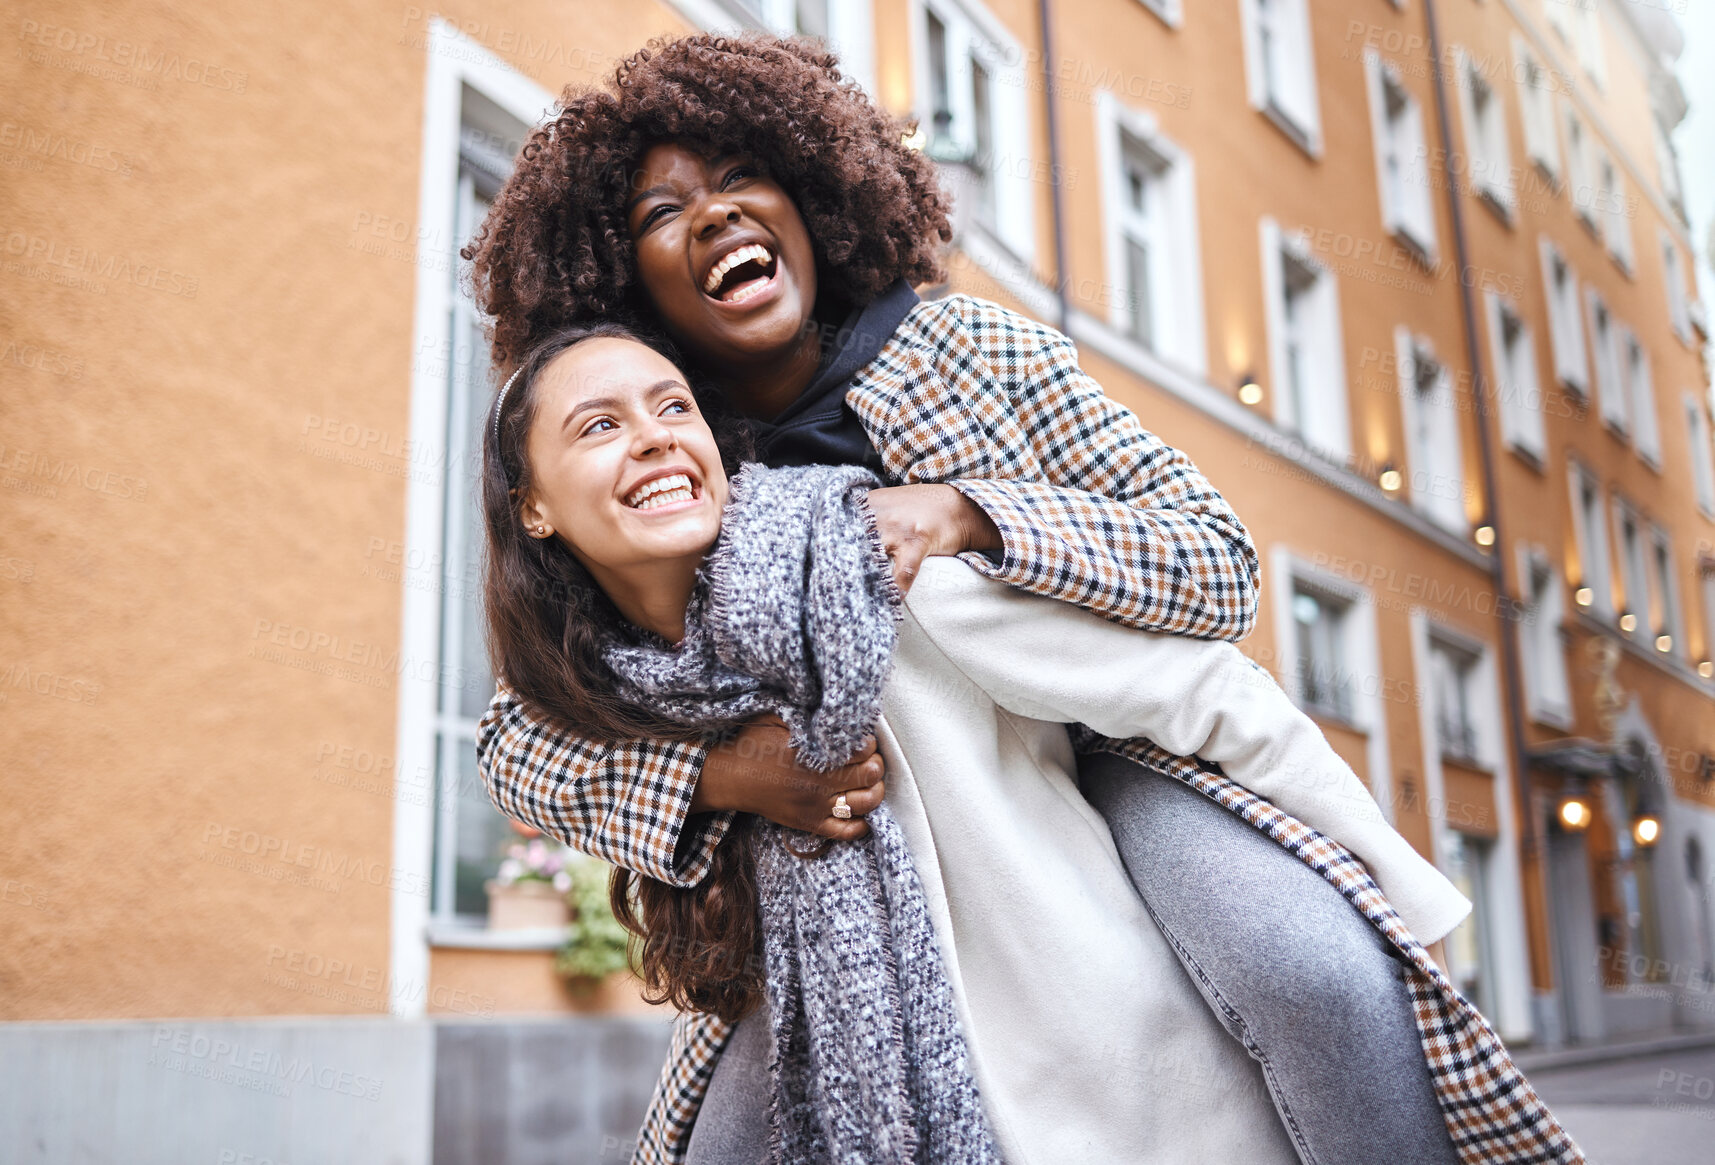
<point x="535" y="522"/>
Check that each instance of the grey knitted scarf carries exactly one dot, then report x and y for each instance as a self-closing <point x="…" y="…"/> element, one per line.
<point x="794" y="613"/>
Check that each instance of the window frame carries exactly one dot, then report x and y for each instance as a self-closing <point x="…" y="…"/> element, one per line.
<point x="1617" y="230"/>
<point x="1700" y="431"/>
<point x="1548" y="689"/>
<point x="1516" y="379"/>
<point x="1433" y="441"/>
<point x="1536" y="109"/>
<point x="1565" y="319"/>
<point x="1668" y="615"/>
<point x="1175" y="251"/>
<point x="1488" y="145"/>
<point x="1640" y="398"/>
<point x="1290" y="571"/>
<point x="1296" y="110"/>
<point x="1674" y="284"/>
<point x="455" y="65"/>
<point x="974" y="37"/>
<point x="1581" y="178"/>
<point x="1408" y="210"/>
<point x="1634" y="559"/>
<point x="1466" y="668"/>
<point x="1590" y="537"/>
<point x="1328" y="428"/>
<point x="1608" y="371"/>
<point x="1171" y="12"/>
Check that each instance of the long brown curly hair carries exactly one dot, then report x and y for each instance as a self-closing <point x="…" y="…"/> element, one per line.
<point x="555" y="247"/>
<point x="547" y="618"/>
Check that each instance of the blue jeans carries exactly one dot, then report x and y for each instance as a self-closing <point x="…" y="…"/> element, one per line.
<point x="1293" y="971"/>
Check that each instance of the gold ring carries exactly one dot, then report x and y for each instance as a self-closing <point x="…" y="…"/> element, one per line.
<point x="842" y="810"/>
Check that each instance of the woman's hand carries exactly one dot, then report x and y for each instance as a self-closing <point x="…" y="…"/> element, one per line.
<point x="758" y="772"/>
<point x="921" y="521"/>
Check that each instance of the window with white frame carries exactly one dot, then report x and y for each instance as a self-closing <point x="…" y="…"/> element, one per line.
<point x="1590" y="525"/>
<point x="1536" y="105"/>
<point x="469" y="831"/>
<point x="1698" y="429"/>
<point x="1667" y="168"/>
<point x="847" y="25"/>
<point x="1617" y="208"/>
<point x="1320" y="628"/>
<point x="1431" y="418"/>
<point x="1152" y="239"/>
<point x="1488" y="155"/>
<point x="1587" y="39"/>
<point x="1610" y="378"/>
<point x="1673" y="280"/>
<point x="1172" y="11"/>
<point x="1396" y="126"/>
<point x="1513" y="353"/>
<point x="477" y="114"/>
<point x="1669" y="635"/>
<point x="1579" y="28"/>
<point x="1452" y="676"/>
<point x="1305" y="354"/>
<point x="1581" y="170"/>
<point x="1467" y="860"/>
<point x="971" y="75"/>
<point x="1280" y="67"/>
<point x="1547" y="691"/>
<point x="1707" y="576"/>
<point x="1640" y="397"/>
<point x="1565" y="319"/>
<point x="1634" y="572"/>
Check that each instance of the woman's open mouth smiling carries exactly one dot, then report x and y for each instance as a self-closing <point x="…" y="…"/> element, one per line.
<point x="742" y="274"/>
<point x="662" y="492"/>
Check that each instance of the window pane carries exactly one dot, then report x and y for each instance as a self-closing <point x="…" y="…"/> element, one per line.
<point x="982" y="113"/>
<point x="1138" y="291"/>
<point x="938" y="83"/>
<point x="472" y="835"/>
<point x="1466" y="865"/>
<point x="812" y="18"/>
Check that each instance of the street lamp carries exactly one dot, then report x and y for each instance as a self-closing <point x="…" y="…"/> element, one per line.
<point x="1646" y="829"/>
<point x="1574" y="813"/>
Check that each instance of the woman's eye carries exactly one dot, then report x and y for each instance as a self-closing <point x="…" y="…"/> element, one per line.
<point x="652" y="216"/>
<point x="592" y="426"/>
<point x="737" y="173"/>
<point x="682" y="406"/>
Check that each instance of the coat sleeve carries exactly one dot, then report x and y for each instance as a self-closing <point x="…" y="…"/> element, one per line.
<point x="1092" y="508"/>
<point x="1048" y="661"/>
<point x="627" y="803"/>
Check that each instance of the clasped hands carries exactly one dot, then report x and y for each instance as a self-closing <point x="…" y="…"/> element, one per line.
<point x="756" y="771"/>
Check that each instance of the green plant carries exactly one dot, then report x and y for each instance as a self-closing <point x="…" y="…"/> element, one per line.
<point x="595" y="943"/>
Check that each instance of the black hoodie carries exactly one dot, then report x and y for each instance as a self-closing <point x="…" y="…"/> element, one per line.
<point x="818" y="428"/>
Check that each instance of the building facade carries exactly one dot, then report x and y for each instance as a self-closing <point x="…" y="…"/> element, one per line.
<point x="1409" y="279"/>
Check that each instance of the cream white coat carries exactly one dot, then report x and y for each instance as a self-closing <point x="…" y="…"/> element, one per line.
<point x="1089" y="1041"/>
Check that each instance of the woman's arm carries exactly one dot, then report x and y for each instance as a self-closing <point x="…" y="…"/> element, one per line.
<point x="1090" y="508"/>
<point x="660" y="808"/>
<point x="1049" y="661"/>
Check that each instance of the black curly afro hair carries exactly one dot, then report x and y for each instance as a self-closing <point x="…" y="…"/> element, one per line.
<point x="555" y="248"/>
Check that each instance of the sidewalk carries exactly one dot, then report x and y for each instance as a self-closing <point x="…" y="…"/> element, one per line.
<point x="1549" y="1059"/>
<point x="1637" y="1102"/>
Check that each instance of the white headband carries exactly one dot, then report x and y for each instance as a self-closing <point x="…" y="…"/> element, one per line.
<point x="499" y="404"/>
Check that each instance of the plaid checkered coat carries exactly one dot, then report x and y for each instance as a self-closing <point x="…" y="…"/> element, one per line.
<point x="1092" y="510"/>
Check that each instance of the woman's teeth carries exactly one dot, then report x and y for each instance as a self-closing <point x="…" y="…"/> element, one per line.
<point x="749" y="253"/>
<point x="663" y="491"/>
